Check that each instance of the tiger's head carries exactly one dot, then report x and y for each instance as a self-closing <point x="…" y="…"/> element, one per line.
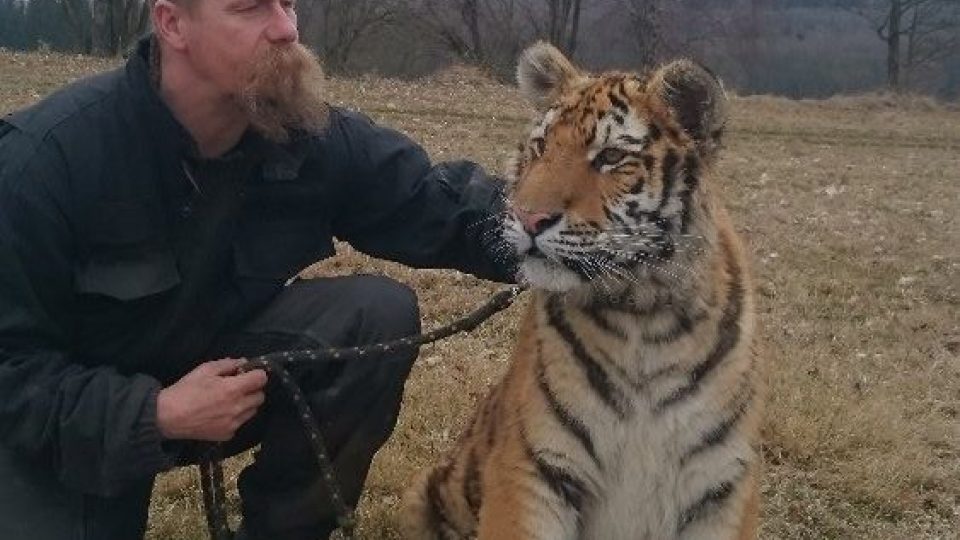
<point x="607" y="183"/>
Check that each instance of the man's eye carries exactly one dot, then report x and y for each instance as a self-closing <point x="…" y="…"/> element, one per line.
<point x="608" y="156"/>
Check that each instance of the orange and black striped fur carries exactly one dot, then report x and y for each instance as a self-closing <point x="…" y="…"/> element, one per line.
<point x="630" y="410"/>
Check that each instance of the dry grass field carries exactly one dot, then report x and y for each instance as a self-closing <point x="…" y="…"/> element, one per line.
<point x="851" y="208"/>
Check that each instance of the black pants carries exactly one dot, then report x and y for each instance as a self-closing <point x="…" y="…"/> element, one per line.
<point x="283" y="498"/>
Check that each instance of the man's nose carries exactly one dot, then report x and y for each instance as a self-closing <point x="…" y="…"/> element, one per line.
<point x="536" y="222"/>
<point x="283" y="24"/>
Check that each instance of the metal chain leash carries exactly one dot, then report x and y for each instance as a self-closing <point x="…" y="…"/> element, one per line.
<point x="276" y="364"/>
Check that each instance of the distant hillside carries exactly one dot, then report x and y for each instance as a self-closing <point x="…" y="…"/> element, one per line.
<point x="794" y="48"/>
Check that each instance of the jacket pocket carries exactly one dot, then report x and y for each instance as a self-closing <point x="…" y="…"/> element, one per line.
<point x="129" y="277"/>
<point x="126" y="253"/>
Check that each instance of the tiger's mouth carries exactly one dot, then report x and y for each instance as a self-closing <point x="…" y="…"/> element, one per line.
<point x="540" y="265"/>
<point x="534" y="252"/>
<point x="551" y="262"/>
<point x="596" y="261"/>
<point x="569" y="253"/>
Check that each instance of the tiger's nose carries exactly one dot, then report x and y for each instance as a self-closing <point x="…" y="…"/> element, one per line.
<point x="536" y="222"/>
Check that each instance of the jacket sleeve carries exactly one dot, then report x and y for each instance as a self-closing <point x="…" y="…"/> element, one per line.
<point x="95" y="427"/>
<point x="396" y="205"/>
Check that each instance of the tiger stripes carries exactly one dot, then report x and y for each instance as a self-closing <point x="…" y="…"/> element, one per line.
<point x="631" y="406"/>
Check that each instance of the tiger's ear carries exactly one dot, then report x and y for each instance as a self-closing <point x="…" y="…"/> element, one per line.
<point x="543" y="73"/>
<point x="696" y="98"/>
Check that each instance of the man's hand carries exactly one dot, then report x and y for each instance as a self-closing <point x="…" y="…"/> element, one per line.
<point x="211" y="402"/>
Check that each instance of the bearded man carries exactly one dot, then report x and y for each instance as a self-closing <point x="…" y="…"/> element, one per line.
<point x="151" y="221"/>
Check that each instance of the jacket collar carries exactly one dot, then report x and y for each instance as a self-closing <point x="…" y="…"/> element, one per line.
<point x="170" y="136"/>
<point x="281" y="162"/>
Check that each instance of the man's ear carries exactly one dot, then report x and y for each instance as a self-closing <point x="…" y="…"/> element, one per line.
<point x="696" y="98"/>
<point x="167" y="18"/>
<point x="544" y="73"/>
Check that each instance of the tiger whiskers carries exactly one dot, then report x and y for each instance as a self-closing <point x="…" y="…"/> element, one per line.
<point x="598" y="275"/>
<point x="634" y="252"/>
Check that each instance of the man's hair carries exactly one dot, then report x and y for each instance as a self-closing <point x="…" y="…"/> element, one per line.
<point x="185" y="3"/>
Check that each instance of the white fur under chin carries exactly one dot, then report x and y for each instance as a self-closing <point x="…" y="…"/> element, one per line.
<point x="542" y="274"/>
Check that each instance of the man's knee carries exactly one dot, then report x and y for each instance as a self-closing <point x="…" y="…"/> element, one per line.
<point x="339" y="312"/>
<point x="348" y="311"/>
<point x="385" y="309"/>
<point x="356" y="311"/>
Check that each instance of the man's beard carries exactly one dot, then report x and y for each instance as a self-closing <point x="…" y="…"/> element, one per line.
<point x="283" y="91"/>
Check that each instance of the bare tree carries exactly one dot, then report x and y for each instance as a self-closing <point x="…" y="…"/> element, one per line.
<point x="80" y="18"/>
<point x="101" y="29"/>
<point x="927" y="28"/>
<point x="684" y="27"/>
<point x="558" y="21"/>
<point x="646" y="18"/>
<point x="336" y="26"/>
<point x="12" y="14"/>
<point x="503" y="22"/>
<point x="932" y="32"/>
<point x="106" y="27"/>
<point x="456" y="24"/>
<point x="564" y="23"/>
<point x="488" y="33"/>
<point x="889" y="32"/>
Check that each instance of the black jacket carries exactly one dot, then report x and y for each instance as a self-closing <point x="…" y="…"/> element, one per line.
<point x="116" y="273"/>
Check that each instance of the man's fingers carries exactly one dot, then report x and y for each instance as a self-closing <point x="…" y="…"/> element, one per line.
<point x="226" y="366"/>
<point x="245" y="417"/>
<point x="252" y="401"/>
<point x="251" y="381"/>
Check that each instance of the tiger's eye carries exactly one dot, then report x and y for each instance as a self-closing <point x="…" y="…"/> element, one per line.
<point x="609" y="156"/>
<point x="539" y="145"/>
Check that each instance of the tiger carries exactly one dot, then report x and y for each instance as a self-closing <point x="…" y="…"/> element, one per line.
<point x="630" y="408"/>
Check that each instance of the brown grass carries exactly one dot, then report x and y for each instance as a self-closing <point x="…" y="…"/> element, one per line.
<point x="851" y="210"/>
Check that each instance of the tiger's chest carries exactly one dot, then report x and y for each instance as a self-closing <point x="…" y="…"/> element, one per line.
<point x="664" y="461"/>
<point x="644" y="486"/>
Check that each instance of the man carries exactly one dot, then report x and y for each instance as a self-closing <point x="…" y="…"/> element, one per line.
<point x="150" y="218"/>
